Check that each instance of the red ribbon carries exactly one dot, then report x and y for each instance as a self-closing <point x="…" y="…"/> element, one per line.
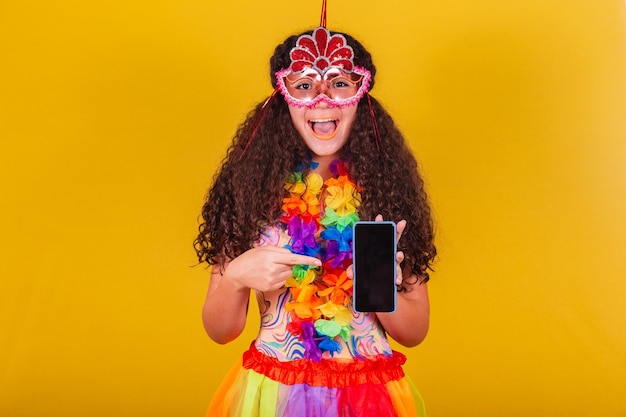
<point x="323" y="15"/>
<point x="256" y="122"/>
<point x="375" y="125"/>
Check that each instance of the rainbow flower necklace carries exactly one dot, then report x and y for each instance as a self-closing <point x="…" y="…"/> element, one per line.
<point x="320" y="296"/>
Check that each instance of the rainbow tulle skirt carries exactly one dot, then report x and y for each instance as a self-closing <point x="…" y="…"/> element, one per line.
<point x="266" y="387"/>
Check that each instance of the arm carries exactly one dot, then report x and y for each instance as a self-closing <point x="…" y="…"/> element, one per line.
<point x="409" y="324"/>
<point x="264" y="268"/>
<point x="225" y="308"/>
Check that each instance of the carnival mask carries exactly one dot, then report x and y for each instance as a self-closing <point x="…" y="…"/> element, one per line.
<point x="322" y="70"/>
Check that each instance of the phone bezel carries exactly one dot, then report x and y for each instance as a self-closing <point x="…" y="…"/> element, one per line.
<point x="354" y="269"/>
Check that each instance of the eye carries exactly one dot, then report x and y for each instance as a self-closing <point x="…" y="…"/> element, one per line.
<point x="341" y="83"/>
<point x="303" y="84"/>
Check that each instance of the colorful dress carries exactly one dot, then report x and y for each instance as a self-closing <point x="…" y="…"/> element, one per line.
<point x="314" y="356"/>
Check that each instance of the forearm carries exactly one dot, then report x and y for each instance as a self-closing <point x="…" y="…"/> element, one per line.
<point x="224" y="312"/>
<point x="263" y="268"/>
<point x="409" y="324"/>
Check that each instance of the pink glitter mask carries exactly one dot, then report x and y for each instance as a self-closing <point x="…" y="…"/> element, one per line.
<point x="322" y="70"/>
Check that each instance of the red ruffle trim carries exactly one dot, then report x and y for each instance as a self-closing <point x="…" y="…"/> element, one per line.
<point x="328" y="372"/>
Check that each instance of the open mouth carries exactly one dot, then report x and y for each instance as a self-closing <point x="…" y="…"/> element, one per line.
<point x="324" y="129"/>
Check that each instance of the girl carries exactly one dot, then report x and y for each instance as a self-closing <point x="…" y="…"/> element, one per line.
<point x="302" y="168"/>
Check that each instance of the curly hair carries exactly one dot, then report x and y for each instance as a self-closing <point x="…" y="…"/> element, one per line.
<point x="248" y="189"/>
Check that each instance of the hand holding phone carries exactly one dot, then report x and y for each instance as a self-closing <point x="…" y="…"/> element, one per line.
<point x="374" y="266"/>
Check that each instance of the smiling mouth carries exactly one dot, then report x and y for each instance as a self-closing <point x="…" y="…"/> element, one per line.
<point x="324" y="129"/>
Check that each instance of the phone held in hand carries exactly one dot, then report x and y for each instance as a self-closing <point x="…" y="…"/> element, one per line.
<point x="374" y="266"/>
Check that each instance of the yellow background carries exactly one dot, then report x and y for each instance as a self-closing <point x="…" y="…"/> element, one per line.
<point x="115" y="114"/>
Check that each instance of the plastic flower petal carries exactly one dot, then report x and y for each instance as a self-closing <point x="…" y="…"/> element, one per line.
<point x="305" y="303"/>
<point x="312" y="203"/>
<point x="302" y="274"/>
<point x="295" y="325"/>
<point x="343" y="238"/>
<point x="302" y="235"/>
<point x="345" y="332"/>
<point x="331" y="329"/>
<point x="291" y="282"/>
<point x="330" y="345"/>
<point x="294" y="184"/>
<point x="343" y="199"/>
<point x="331" y="218"/>
<point x="328" y="328"/>
<point x="343" y="317"/>
<point x="294" y="205"/>
<point x="328" y="309"/>
<point x="339" y="288"/>
<point x="311" y="350"/>
<point x="336" y="258"/>
<point x="314" y="183"/>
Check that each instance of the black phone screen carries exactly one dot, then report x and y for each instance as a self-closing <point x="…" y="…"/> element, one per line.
<point x="374" y="263"/>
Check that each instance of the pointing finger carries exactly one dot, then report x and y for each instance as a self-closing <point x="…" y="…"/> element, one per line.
<point x="295" y="259"/>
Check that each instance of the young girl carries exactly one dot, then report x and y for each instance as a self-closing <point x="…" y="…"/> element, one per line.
<point x="317" y="156"/>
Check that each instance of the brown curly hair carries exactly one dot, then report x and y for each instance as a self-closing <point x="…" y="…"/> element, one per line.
<point x="248" y="189"/>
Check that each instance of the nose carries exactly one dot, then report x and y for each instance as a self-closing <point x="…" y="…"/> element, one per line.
<point x="322" y="104"/>
<point x="322" y="88"/>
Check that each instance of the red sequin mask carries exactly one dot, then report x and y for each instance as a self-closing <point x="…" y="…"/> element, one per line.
<point x="322" y="70"/>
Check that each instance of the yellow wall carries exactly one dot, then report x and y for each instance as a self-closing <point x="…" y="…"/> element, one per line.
<point x="114" y="115"/>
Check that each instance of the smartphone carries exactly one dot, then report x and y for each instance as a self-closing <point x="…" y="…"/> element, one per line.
<point x="374" y="266"/>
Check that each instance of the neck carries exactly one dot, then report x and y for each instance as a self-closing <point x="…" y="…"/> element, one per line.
<point x="323" y="168"/>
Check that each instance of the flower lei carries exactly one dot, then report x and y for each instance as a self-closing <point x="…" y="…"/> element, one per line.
<point x="321" y="295"/>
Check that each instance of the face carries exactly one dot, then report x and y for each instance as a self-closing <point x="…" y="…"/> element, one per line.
<point x="322" y="87"/>
<point x="324" y="129"/>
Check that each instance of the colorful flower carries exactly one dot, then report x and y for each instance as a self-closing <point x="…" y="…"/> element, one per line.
<point x="294" y="205"/>
<point x="343" y="197"/>
<point x="305" y="303"/>
<point x="339" y="288"/>
<point x="329" y="345"/>
<point x="343" y="237"/>
<point x="302" y="231"/>
<point x="318" y="308"/>
<point x="311" y="349"/>
<point x="331" y="218"/>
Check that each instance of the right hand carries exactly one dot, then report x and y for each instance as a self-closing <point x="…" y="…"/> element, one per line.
<point x="265" y="268"/>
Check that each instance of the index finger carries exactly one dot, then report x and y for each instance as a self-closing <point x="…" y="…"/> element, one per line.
<point x="296" y="259"/>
